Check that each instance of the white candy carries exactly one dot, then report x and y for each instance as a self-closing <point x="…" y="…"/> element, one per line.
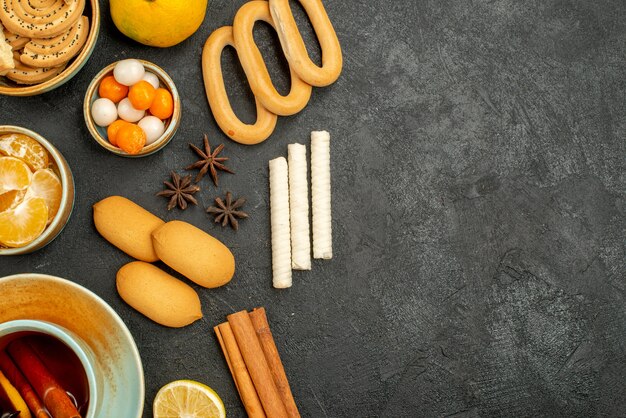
<point x="279" y="206"/>
<point x="299" y="208"/>
<point x="127" y="112"/>
<point x="153" y="127"/>
<point x="129" y="72"/>
<point x="152" y="79"/>
<point x="103" y="112"/>
<point x="320" y="195"/>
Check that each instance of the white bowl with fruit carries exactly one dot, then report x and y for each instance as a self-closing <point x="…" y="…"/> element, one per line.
<point x="132" y="108"/>
<point x="36" y="191"/>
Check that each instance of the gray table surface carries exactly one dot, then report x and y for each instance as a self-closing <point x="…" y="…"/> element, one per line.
<point x="478" y="183"/>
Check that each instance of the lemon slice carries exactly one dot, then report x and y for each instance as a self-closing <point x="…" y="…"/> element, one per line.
<point x="188" y="399"/>
<point x="17" y="402"/>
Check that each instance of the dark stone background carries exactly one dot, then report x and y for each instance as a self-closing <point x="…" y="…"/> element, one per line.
<point x="478" y="183"/>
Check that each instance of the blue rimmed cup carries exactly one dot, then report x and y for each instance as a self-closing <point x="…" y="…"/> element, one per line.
<point x="89" y="327"/>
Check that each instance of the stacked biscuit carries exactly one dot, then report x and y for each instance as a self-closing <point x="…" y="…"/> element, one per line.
<point x="39" y="37"/>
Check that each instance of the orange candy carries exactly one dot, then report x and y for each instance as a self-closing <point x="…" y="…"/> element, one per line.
<point x="163" y="104"/>
<point x="141" y="95"/>
<point x="112" y="90"/>
<point x="113" y="129"/>
<point x="130" y="138"/>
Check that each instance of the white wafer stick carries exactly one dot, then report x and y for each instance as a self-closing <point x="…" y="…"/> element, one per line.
<point x="320" y="192"/>
<point x="279" y="206"/>
<point x="299" y="207"/>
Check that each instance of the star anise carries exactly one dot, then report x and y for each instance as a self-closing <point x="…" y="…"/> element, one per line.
<point x="226" y="212"/>
<point x="209" y="161"/>
<point x="179" y="191"/>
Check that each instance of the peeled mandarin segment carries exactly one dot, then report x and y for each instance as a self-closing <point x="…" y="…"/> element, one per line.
<point x="22" y="225"/>
<point x="14" y="174"/>
<point x="11" y="199"/>
<point x="46" y="185"/>
<point x="25" y="148"/>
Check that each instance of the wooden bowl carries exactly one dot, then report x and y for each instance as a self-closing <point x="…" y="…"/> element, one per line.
<point x="9" y="88"/>
<point x="62" y="169"/>
<point x="99" y="133"/>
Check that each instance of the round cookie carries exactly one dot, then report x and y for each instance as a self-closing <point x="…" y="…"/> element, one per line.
<point x="59" y="50"/>
<point x="46" y="19"/>
<point x="23" y="74"/>
<point x="17" y="42"/>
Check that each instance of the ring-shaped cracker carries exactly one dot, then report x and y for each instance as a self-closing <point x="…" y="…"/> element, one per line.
<point x="255" y="68"/>
<point x="295" y="49"/>
<point x="218" y="98"/>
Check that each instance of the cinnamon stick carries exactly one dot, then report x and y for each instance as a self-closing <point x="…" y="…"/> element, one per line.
<point x="18" y="380"/>
<point x="220" y="340"/>
<point x="259" y="370"/>
<point x="262" y="328"/>
<point x="238" y="370"/>
<point x="53" y="395"/>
